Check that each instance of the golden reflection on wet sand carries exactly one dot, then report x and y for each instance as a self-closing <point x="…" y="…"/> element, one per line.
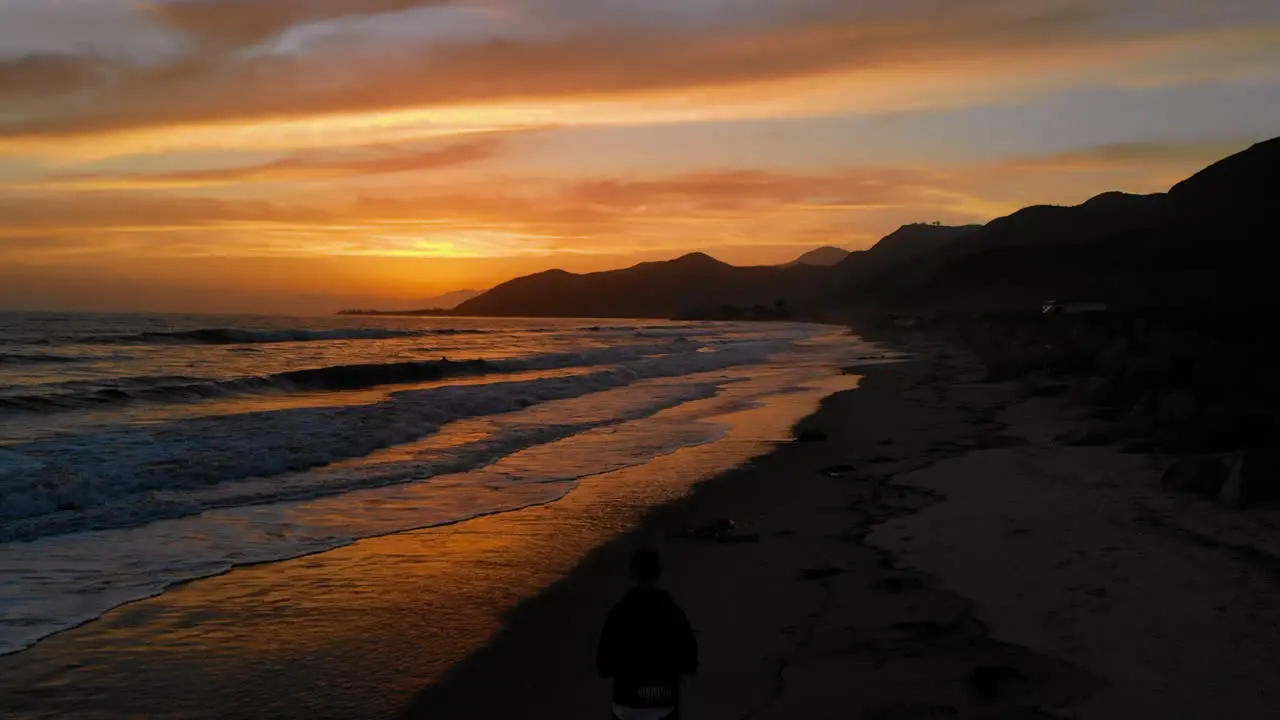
<point x="353" y="632"/>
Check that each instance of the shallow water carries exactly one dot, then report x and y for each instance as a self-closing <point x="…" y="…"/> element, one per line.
<point x="158" y="450"/>
<point x="357" y="630"/>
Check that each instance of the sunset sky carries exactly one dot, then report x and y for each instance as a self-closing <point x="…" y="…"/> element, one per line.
<point x="304" y="155"/>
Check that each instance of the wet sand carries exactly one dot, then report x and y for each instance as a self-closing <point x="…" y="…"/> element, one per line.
<point x="808" y="621"/>
<point x="915" y="563"/>
<point x="355" y="632"/>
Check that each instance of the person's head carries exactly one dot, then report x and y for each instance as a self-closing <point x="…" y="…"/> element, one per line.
<point x="646" y="567"/>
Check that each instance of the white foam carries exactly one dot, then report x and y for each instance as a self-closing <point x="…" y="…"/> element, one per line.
<point x="265" y="486"/>
<point x="143" y="473"/>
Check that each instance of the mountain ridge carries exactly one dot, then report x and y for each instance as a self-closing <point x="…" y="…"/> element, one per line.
<point x="1192" y="243"/>
<point x="824" y="256"/>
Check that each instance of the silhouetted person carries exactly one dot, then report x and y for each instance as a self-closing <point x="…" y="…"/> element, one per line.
<point x="647" y="646"/>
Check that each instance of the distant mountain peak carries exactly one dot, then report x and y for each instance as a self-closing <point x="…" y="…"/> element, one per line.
<point x="450" y="300"/>
<point x="825" y="256"/>
<point x="1198" y="241"/>
<point x="918" y="238"/>
<point x="1116" y="199"/>
<point x="696" y="258"/>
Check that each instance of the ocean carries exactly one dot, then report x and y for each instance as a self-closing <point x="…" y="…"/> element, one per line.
<point x="140" y="452"/>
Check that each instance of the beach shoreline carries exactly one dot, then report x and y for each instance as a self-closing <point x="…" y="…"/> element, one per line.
<point x="938" y="551"/>
<point x="803" y="618"/>
<point x="401" y="607"/>
<point x="907" y="559"/>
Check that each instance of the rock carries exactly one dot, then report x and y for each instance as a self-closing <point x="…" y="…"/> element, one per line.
<point x="897" y="584"/>
<point x="1140" y="446"/>
<point x="998" y="441"/>
<point x="1248" y="484"/>
<point x="1139" y="421"/>
<point x="820" y="573"/>
<point x="989" y="681"/>
<point x="1048" y="389"/>
<point x="810" y="436"/>
<point x="1203" y="475"/>
<point x="724" y="530"/>
<point x="1098" y="390"/>
<point x="1224" y="428"/>
<point x="1176" y="408"/>
<point x="909" y="711"/>
<point x="1092" y="434"/>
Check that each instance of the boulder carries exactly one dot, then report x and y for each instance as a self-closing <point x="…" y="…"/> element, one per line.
<point x="809" y="436"/>
<point x="724" y="530"/>
<point x="1203" y="475"/>
<point x="1096" y="433"/>
<point x="1096" y="390"/>
<point x="1224" y="428"/>
<point x="1139" y="421"/>
<point x="1251" y="480"/>
<point x="1176" y="408"/>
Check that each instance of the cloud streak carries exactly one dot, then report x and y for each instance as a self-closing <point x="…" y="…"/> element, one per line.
<point x="239" y="23"/>
<point x="556" y="213"/>
<point x="345" y="163"/>
<point x="356" y="70"/>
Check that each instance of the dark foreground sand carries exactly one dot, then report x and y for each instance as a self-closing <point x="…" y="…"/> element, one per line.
<point x="1058" y="584"/>
<point x="807" y="622"/>
<point x="1062" y="583"/>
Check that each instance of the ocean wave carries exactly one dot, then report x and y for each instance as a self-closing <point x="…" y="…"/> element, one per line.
<point x="78" y="395"/>
<point x="180" y="389"/>
<point x="132" y="475"/>
<point x="39" y="359"/>
<point x="241" y="336"/>
<point x="521" y="462"/>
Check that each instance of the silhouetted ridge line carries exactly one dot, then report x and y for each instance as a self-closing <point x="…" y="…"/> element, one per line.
<point x="1198" y="242"/>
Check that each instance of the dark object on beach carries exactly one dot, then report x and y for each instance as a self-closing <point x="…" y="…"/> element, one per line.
<point x="647" y="644"/>
<point x="996" y="442"/>
<point x="723" y="530"/>
<point x="1055" y="389"/>
<point x="909" y="711"/>
<point x="821" y="573"/>
<point x="1250" y="481"/>
<point x="810" y="436"/>
<point x="897" y="584"/>
<point x="1203" y="475"/>
<point x="1141" y="446"/>
<point x="989" y="681"/>
<point x="1093" y="434"/>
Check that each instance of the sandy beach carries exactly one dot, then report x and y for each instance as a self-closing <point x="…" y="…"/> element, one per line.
<point x="939" y="555"/>
<point x="930" y="552"/>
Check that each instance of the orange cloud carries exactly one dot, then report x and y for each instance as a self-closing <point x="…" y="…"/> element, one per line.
<point x="345" y="74"/>
<point x="1131" y="154"/>
<point x="559" y="215"/>
<point x="238" y="23"/>
<point x="45" y="75"/>
<point x="345" y="163"/>
<point x="519" y="216"/>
